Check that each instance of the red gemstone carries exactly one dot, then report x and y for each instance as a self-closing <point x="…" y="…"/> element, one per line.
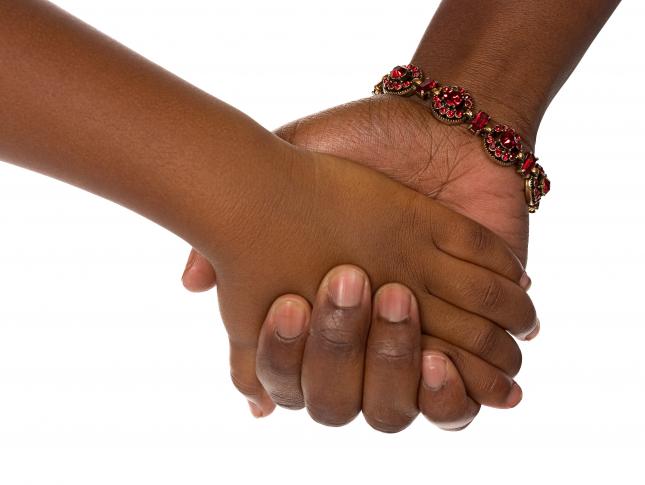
<point x="406" y="84"/>
<point x="459" y="114"/>
<point x="442" y="111"/>
<point x="479" y="121"/>
<point x="507" y="140"/>
<point x="529" y="163"/>
<point x="505" y="157"/>
<point x="397" y="72"/>
<point x="450" y="113"/>
<point x="427" y="85"/>
<point x="453" y="98"/>
<point x="546" y="186"/>
<point x="498" y="152"/>
<point x="396" y="86"/>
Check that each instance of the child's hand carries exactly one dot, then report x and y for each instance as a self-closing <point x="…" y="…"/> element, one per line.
<point x="339" y="211"/>
<point x="338" y="360"/>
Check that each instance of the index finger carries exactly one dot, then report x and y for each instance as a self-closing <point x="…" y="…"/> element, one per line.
<point x="467" y="240"/>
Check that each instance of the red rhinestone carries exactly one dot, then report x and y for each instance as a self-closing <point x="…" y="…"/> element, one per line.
<point x="453" y="98"/>
<point x="498" y="152"/>
<point x="427" y="85"/>
<point x="546" y="186"/>
<point x="450" y="113"/>
<point x="479" y="122"/>
<point x="442" y="111"/>
<point x="529" y="163"/>
<point x="459" y="114"/>
<point x="468" y="103"/>
<point x="507" y="140"/>
<point x="396" y="86"/>
<point x="505" y="157"/>
<point x="397" y="72"/>
<point x="406" y="84"/>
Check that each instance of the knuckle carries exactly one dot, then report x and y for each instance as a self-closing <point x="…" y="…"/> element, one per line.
<point x="387" y="422"/>
<point x="393" y="351"/>
<point x="244" y="386"/>
<point x="270" y="367"/>
<point x="492" y="295"/>
<point x="450" y="415"/>
<point x="339" y="341"/>
<point x="289" y="400"/>
<point x="331" y="415"/>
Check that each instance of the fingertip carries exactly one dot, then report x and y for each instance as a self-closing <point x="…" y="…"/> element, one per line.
<point x="396" y="303"/>
<point x="514" y="396"/>
<point x="434" y="371"/>
<point x="289" y="315"/>
<point x="199" y="274"/>
<point x="525" y="281"/>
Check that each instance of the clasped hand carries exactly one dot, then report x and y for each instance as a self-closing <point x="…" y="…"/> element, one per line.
<point x="353" y="352"/>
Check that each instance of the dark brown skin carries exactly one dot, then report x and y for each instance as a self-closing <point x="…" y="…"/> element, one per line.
<point x="270" y="218"/>
<point x="513" y="57"/>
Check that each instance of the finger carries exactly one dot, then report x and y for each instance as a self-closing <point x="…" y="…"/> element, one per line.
<point x="280" y="350"/>
<point x="392" y="360"/>
<point x="199" y="274"/>
<point x="332" y="368"/>
<point x="245" y="380"/>
<point x="484" y="293"/>
<point x="484" y="383"/>
<point x="467" y="240"/>
<point x="442" y="395"/>
<point x="471" y="332"/>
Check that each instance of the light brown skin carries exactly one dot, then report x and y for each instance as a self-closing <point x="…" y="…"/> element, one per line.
<point x="513" y="57"/>
<point x="269" y="217"/>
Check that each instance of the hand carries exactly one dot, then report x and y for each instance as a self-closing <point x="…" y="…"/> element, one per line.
<point x="401" y="138"/>
<point x="370" y="130"/>
<point x="336" y="362"/>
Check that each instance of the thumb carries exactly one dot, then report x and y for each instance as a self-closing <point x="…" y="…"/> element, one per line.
<point x="199" y="274"/>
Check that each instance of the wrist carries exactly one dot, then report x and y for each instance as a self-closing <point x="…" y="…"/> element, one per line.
<point x="502" y="92"/>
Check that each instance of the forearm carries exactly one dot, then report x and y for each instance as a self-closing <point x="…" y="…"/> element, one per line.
<point x="80" y="107"/>
<point x="513" y="56"/>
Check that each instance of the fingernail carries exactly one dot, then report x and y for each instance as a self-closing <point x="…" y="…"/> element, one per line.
<point x="535" y="331"/>
<point x="290" y="318"/>
<point x="255" y="410"/>
<point x="189" y="263"/>
<point x="525" y="281"/>
<point x="346" y="288"/>
<point x="434" y="371"/>
<point x="515" y="396"/>
<point x="394" y="304"/>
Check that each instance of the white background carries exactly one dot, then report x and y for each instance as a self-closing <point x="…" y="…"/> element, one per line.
<point x="111" y="373"/>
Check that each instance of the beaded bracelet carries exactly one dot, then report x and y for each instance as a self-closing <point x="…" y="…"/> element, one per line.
<point x="454" y="105"/>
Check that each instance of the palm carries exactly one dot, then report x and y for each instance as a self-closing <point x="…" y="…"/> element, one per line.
<point x="402" y="139"/>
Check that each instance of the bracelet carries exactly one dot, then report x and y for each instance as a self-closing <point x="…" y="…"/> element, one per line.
<point x="454" y="105"/>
